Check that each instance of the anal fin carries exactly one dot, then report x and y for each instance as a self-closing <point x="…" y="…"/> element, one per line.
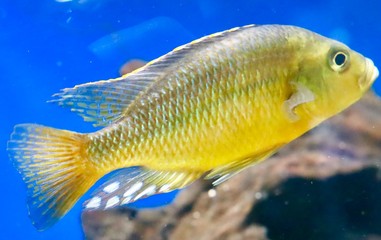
<point x="131" y="184"/>
<point x="225" y="172"/>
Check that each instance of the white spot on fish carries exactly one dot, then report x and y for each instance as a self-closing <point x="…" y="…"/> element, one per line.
<point x="126" y="200"/>
<point x="212" y="193"/>
<point x="146" y="192"/>
<point x="112" y="202"/>
<point x="133" y="189"/>
<point x="164" y="188"/>
<point x="111" y="187"/>
<point x="95" y="202"/>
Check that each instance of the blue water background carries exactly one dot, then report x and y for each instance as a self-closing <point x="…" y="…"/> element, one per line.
<point x="47" y="45"/>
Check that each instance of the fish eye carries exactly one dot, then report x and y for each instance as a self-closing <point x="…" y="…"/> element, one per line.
<point x="338" y="60"/>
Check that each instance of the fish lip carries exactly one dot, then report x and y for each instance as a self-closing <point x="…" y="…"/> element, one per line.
<point x="370" y="74"/>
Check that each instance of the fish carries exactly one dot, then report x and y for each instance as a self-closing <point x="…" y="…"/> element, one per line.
<point x="207" y="109"/>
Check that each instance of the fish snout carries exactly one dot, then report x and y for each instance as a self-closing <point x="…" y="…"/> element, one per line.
<point x="370" y="74"/>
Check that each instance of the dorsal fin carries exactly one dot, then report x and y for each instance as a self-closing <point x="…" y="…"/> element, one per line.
<point x="104" y="102"/>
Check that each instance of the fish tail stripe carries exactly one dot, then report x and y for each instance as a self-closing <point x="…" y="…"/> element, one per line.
<point x="54" y="167"/>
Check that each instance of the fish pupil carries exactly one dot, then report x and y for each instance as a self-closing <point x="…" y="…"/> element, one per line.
<point x="340" y="58"/>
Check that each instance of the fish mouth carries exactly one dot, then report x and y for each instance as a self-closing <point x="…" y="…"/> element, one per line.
<point x="371" y="73"/>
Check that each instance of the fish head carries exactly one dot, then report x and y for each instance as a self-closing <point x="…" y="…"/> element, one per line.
<point x="336" y="75"/>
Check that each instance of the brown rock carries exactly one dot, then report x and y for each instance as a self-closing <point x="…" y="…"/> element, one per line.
<point x="131" y="65"/>
<point x="324" y="185"/>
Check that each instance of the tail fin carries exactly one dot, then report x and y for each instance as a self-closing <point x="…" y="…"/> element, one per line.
<point x="55" y="168"/>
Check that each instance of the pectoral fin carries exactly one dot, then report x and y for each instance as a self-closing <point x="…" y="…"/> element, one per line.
<point x="223" y="173"/>
<point x="301" y="95"/>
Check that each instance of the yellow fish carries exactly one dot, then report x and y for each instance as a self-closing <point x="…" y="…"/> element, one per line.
<point x="214" y="106"/>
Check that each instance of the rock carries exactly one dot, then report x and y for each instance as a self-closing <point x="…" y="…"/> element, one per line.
<point x="131" y="65"/>
<point x="324" y="185"/>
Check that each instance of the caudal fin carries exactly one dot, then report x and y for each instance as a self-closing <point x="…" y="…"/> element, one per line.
<point x="55" y="168"/>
